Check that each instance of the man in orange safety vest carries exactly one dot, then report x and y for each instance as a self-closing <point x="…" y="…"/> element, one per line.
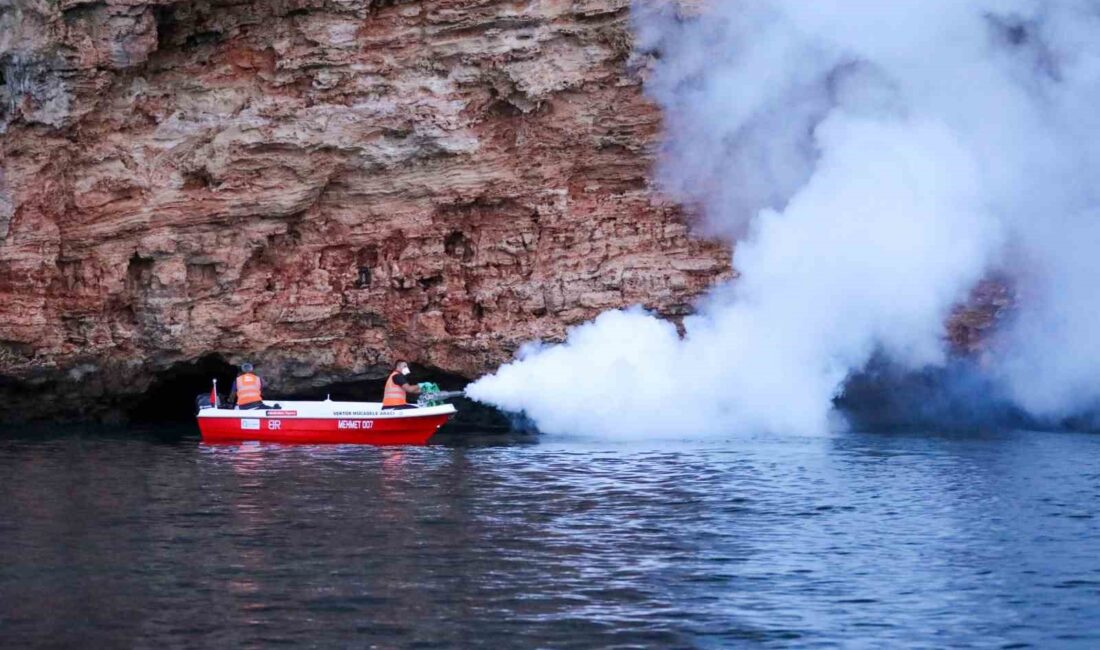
<point x="398" y="387"/>
<point x="247" y="389"/>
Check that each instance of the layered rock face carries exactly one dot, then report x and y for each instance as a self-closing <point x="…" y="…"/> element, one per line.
<point x="318" y="186"/>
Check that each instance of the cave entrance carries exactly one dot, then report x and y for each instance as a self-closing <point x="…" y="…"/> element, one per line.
<point x="171" y="396"/>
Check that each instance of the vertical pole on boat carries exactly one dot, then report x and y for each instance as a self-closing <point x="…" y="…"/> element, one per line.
<point x="214" y="394"/>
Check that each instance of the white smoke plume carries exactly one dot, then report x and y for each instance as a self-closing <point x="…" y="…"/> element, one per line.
<point x="873" y="161"/>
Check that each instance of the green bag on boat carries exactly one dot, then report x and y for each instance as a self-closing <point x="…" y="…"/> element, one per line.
<point x="428" y="390"/>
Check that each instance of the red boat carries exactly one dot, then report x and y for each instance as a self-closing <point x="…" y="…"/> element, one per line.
<point x="325" y="422"/>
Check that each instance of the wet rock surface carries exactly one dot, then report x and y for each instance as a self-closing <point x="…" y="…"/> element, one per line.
<point x="319" y="186"/>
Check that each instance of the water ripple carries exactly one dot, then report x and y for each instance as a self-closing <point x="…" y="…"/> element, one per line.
<point x="986" y="541"/>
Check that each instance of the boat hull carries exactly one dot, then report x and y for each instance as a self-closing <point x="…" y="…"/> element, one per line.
<point x="296" y="426"/>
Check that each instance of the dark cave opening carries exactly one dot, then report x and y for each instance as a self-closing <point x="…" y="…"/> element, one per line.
<point x="956" y="397"/>
<point x="171" y="396"/>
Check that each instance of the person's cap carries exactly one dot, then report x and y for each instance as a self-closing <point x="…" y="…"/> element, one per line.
<point x="246" y="367"/>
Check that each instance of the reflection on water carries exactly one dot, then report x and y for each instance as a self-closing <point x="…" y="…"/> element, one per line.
<point x="989" y="540"/>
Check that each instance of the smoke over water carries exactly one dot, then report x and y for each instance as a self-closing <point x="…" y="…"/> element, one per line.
<point x="873" y="162"/>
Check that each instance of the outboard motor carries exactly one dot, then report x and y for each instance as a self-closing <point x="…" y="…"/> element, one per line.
<point x="203" y="402"/>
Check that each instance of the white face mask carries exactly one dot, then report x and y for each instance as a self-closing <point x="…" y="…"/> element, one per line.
<point x="405" y="370"/>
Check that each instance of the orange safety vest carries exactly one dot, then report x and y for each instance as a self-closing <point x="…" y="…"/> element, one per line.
<point x="248" y="389"/>
<point x="393" y="395"/>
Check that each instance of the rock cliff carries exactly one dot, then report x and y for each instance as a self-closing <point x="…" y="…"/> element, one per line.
<point x="317" y="186"/>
